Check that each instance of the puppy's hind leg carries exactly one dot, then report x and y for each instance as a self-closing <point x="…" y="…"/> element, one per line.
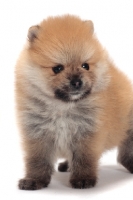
<point x="125" y="156"/>
<point x="63" y="167"/>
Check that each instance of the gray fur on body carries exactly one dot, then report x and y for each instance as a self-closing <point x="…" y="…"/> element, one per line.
<point x="53" y="120"/>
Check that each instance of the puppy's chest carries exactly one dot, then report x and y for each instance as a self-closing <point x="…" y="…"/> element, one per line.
<point x="62" y="124"/>
<point x="69" y="123"/>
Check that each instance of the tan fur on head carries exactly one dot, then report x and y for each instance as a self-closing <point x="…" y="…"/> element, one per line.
<point x="72" y="102"/>
<point x="55" y="45"/>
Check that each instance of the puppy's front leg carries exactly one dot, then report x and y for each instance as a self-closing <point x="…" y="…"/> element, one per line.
<point x="39" y="164"/>
<point x="84" y="167"/>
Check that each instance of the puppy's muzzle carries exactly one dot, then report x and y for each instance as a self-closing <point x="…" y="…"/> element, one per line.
<point x="76" y="83"/>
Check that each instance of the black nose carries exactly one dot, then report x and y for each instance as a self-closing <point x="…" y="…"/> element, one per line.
<point x="76" y="83"/>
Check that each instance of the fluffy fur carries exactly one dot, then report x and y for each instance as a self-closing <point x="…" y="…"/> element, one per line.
<point x="72" y="102"/>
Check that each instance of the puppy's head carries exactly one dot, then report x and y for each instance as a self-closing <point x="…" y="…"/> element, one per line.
<point x="71" y="60"/>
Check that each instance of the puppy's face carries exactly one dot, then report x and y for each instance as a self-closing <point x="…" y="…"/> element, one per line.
<point x="71" y="60"/>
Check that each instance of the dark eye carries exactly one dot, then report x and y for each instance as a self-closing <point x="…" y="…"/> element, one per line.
<point x="58" y="69"/>
<point x="85" y="66"/>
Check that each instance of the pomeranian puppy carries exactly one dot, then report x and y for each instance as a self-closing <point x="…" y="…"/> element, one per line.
<point x="72" y="102"/>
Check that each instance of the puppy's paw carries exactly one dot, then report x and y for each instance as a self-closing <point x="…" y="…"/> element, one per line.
<point x="81" y="183"/>
<point x="63" y="167"/>
<point x="128" y="164"/>
<point x="32" y="184"/>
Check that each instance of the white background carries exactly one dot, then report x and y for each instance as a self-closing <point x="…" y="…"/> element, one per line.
<point x="113" y="20"/>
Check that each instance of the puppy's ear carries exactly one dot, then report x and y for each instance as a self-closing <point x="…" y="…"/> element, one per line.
<point x="33" y="32"/>
<point x="90" y="24"/>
